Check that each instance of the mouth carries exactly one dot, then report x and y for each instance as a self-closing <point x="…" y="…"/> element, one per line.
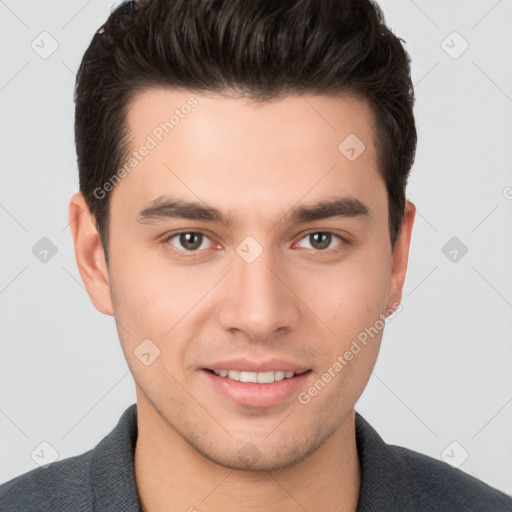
<point x="267" y="377"/>
<point x="256" y="389"/>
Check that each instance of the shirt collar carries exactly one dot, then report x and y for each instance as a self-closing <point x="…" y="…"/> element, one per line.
<point x="384" y="472"/>
<point x="113" y="471"/>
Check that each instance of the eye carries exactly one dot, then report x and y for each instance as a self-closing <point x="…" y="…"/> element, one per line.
<point x="190" y="241"/>
<point x="195" y="241"/>
<point x="321" y="240"/>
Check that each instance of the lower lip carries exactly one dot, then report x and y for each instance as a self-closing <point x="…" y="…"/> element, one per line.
<point x="252" y="394"/>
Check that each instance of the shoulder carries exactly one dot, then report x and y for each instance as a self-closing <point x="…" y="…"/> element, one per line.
<point x="396" y="478"/>
<point x="434" y="482"/>
<point x="102" y="478"/>
<point x="62" y="485"/>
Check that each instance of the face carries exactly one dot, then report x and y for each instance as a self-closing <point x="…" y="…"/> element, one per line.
<point x="245" y="239"/>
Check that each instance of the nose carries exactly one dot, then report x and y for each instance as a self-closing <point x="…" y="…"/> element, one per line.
<point x="258" y="298"/>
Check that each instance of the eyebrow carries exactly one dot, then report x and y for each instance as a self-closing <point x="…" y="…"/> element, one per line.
<point x="337" y="207"/>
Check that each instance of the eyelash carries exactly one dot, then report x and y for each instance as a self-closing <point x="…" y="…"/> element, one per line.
<point x="188" y="254"/>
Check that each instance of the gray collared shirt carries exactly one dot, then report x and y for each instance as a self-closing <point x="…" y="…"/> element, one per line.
<point x="393" y="479"/>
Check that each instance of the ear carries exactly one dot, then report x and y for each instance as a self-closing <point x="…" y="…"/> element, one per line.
<point x="89" y="253"/>
<point x="400" y="256"/>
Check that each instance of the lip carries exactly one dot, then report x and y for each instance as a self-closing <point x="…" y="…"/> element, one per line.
<point x="246" y="365"/>
<point x="252" y="394"/>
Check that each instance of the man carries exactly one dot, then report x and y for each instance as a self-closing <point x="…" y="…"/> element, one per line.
<point x="242" y="215"/>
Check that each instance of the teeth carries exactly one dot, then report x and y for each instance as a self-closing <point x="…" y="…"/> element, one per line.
<point x="248" y="376"/>
<point x="265" y="377"/>
<point x="257" y="377"/>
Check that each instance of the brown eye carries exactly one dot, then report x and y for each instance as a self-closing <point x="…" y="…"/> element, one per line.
<point x="321" y="240"/>
<point x="190" y="241"/>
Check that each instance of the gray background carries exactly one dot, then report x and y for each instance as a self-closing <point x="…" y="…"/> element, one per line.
<point x="443" y="383"/>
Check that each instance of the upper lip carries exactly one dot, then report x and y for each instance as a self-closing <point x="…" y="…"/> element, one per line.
<point x="247" y="365"/>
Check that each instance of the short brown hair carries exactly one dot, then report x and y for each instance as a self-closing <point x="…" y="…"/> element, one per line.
<point x="262" y="48"/>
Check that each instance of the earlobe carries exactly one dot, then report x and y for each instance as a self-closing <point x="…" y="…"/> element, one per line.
<point x="400" y="256"/>
<point x="89" y="253"/>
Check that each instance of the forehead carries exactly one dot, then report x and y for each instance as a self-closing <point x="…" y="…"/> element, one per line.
<point x="160" y="111"/>
<point x="235" y="152"/>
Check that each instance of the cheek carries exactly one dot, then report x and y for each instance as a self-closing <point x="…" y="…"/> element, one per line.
<point x="349" y="296"/>
<point x="154" y="298"/>
<point x="148" y="305"/>
<point x="353" y="308"/>
<point x="151" y="300"/>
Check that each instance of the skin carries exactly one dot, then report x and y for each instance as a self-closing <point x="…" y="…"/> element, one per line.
<point x="254" y="163"/>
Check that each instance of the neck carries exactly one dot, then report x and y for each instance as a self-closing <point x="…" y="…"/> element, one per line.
<point x="172" y="476"/>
